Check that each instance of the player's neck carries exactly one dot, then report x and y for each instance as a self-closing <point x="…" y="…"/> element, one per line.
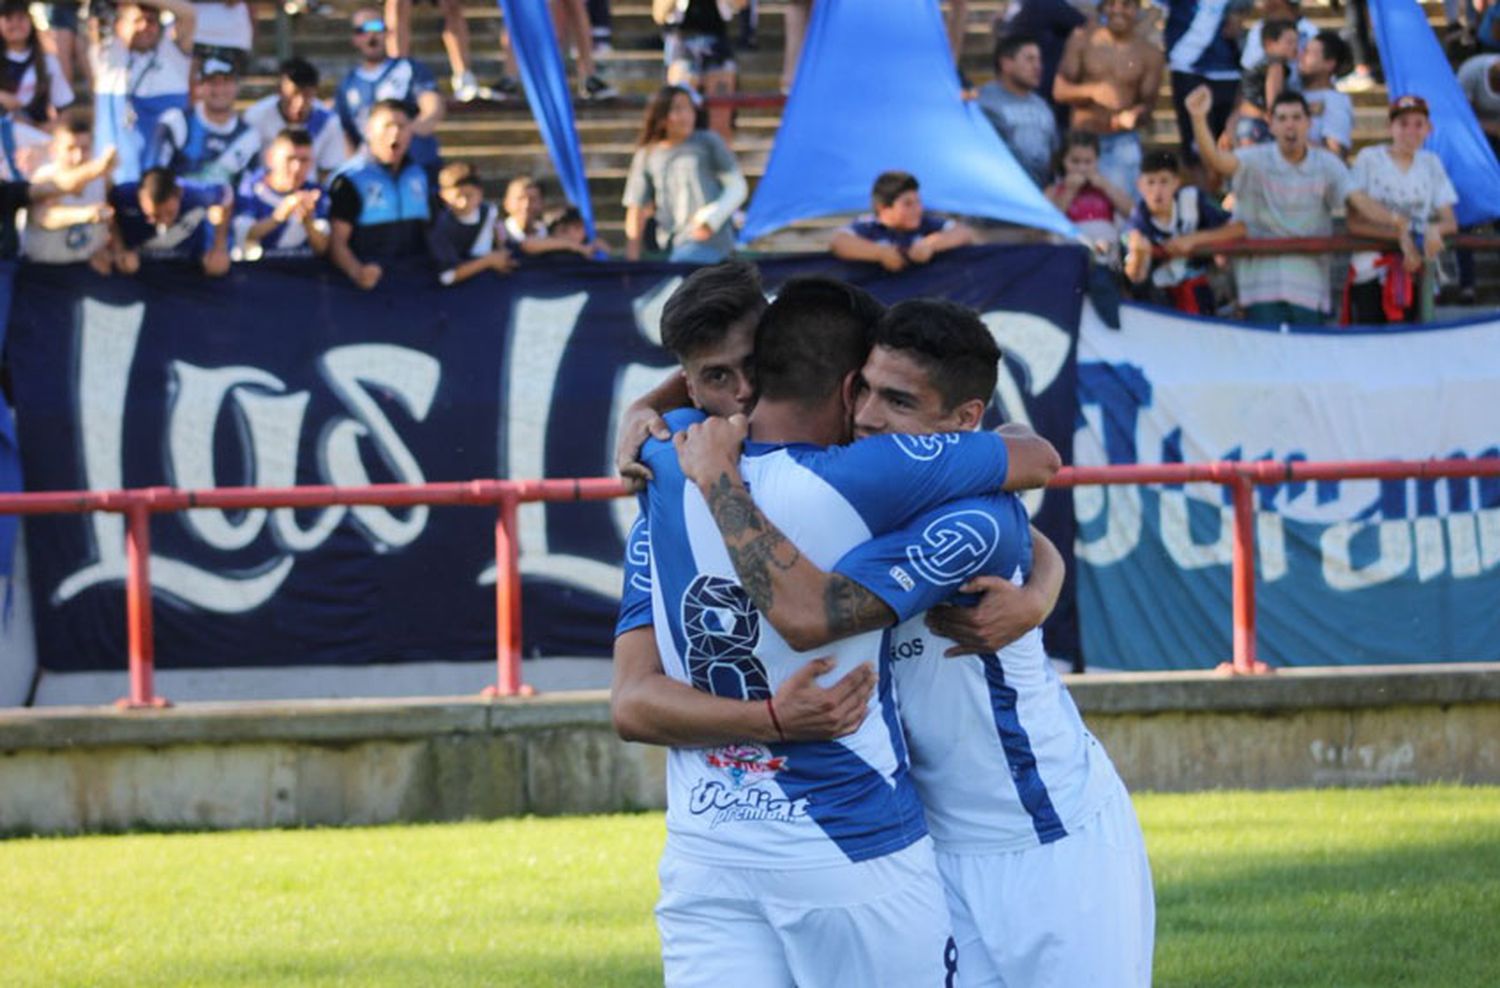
<point x="794" y="422"/>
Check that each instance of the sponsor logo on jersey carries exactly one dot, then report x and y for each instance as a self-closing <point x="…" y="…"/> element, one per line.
<point x="903" y="580"/>
<point x="745" y="763"/>
<point x="954" y="546"/>
<point x="912" y="648"/>
<point x="725" y="804"/>
<point x="925" y="447"/>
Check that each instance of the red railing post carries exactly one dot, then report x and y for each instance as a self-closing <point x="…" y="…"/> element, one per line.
<point x="507" y="600"/>
<point x="138" y="631"/>
<point x="1242" y="579"/>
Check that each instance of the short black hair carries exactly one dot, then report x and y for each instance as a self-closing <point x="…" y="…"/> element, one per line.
<point x="160" y="185"/>
<point x="1335" y="50"/>
<point x="406" y="108"/>
<point x="1275" y="27"/>
<point x="949" y="341"/>
<point x="890" y="186"/>
<point x="1289" y="96"/>
<point x="1010" y="44"/>
<point x="708" y="303"/>
<point x="297" y="137"/>
<point x="300" y="72"/>
<point x="76" y="120"/>
<point x="1161" y="161"/>
<point x="812" y="337"/>
<point x="572" y="216"/>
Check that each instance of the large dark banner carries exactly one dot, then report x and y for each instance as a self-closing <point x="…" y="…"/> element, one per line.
<point x="286" y="375"/>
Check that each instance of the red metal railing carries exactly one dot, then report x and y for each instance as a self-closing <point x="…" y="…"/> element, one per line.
<point x="506" y="496"/>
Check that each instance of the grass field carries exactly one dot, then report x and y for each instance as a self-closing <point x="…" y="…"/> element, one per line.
<point x="1345" y="888"/>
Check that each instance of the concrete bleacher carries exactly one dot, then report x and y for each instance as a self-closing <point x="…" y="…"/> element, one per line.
<point x="502" y="140"/>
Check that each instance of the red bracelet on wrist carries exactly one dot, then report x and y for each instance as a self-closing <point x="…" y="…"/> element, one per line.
<point x="771" y="709"/>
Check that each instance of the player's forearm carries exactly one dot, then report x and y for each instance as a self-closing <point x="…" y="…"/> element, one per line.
<point x="958" y="235"/>
<point x="317" y="237"/>
<point x="1047" y="572"/>
<point x="1222" y="162"/>
<point x="806" y="605"/>
<point x="429" y="114"/>
<point x="340" y="255"/>
<point x="468" y="269"/>
<point x="261" y="229"/>
<point x="184" y="21"/>
<point x="852" y="247"/>
<point x="648" y="706"/>
<point x="1031" y="461"/>
<point x="60" y="217"/>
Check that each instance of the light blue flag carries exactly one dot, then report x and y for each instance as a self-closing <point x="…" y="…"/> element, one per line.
<point x="876" y="90"/>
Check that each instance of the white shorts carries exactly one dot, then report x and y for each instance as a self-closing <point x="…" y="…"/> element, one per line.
<point x="1078" y="911"/>
<point x="876" y="923"/>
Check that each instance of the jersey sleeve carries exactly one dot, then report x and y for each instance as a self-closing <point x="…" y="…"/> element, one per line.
<point x="890" y="479"/>
<point x="655" y="452"/>
<point x="925" y="562"/>
<point x="635" y="595"/>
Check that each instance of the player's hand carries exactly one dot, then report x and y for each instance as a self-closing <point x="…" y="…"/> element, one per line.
<point x="1128" y="118"/>
<point x="702" y="233"/>
<point x="368" y="276"/>
<point x="501" y="262"/>
<point x="1198" y="102"/>
<point x="1180" y="246"/>
<point x="709" y="449"/>
<point x="127" y="262"/>
<point x="892" y="259"/>
<point x="921" y="252"/>
<point x="1432" y="245"/>
<point x="216" y="262"/>
<point x="641" y="422"/>
<point x="809" y="712"/>
<point x="285" y="208"/>
<point x="1004" y="613"/>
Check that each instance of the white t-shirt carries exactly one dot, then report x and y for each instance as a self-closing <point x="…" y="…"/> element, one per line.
<point x="1415" y="193"/>
<point x="60" y="95"/>
<point x="223" y="25"/>
<point x="1335" y="120"/>
<point x="1474" y="78"/>
<point x="329" y="151"/>
<point x="71" y="243"/>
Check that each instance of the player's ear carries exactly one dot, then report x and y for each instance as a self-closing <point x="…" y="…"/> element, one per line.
<point x="849" y="390"/>
<point x="969" y="415"/>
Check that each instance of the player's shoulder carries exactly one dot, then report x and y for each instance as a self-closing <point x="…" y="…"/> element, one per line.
<point x="661" y="450"/>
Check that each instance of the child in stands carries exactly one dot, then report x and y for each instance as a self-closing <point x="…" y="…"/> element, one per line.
<point x="1090" y="200"/>
<point x="1179" y="219"/>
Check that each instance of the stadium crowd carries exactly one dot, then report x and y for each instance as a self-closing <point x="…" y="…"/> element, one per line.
<point x="1260" y="96"/>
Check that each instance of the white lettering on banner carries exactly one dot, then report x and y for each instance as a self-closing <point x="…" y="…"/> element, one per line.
<point x="1041" y="347"/>
<point x="1120" y="507"/>
<point x="269" y="424"/>
<point x="634" y="380"/>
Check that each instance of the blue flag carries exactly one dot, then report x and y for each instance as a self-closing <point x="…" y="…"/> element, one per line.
<point x="876" y="90"/>
<point x="1415" y="65"/>
<point x="10" y="452"/>
<point x="545" y="79"/>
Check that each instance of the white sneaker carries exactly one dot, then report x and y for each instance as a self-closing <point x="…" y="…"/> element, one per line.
<point x="465" y="89"/>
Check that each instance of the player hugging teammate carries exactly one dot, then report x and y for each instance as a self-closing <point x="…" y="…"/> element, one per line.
<point x="867" y="785"/>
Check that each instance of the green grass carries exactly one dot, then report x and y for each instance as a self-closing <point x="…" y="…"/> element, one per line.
<point x="1346" y="888"/>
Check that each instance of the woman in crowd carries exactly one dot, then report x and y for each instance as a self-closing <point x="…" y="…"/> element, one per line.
<point x="684" y="177"/>
<point x="32" y="84"/>
<point x="1401" y="176"/>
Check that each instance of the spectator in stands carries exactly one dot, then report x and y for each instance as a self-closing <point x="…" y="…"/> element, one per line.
<point x="162" y="219"/>
<point x="1479" y="78"/>
<point x="574" y="31"/>
<point x="455" y="42"/>
<point x="467" y="238"/>
<point x="1086" y="196"/>
<point x="687" y="178"/>
<point x="139" y="74"/>
<point x="601" y="23"/>
<point x="75" y="227"/>
<point x="1286" y="189"/>
<point x="1264" y="82"/>
<point x="1321" y="60"/>
<point x="1111" y="78"/>
<point x="380" y="201"/>
<point x="33" y="86"/>
<point x="280" y="211"/>
<point x="899" y="232"/>
<point x="1179" y="219"/>
<point x="698" y="52"/>
<point x="1253" y="52"/>
<point x="1024" y="120"/>
<point x="566" y="225"/>
<point x="22" y="147"/>
<point x="69" y="48"/>
<point x="1411" y="183"/>
<point x="211" y="142"/>
<point x="295" y="104"/>
<point x="225" y="31"/>
<point x="1202" y="41"/>
<point x="379" y="78"/>
<point x="1367" y="71"/>
<point x="19" y="194"/>
<point x="795" y="18"/>
<point x="1050" y="22"/>
<point x="525" y="229"/>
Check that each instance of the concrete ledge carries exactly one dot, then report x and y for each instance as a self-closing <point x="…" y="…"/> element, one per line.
<point x="217" y="765"/>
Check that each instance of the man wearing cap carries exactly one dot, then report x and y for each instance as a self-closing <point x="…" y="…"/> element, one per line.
<point x="379" y="77"/>
<point x="1286" y="188"/>
<point x="295" y="104"/>
<point x="211" y="142"/>
<point x="380" y="201"/>
<point x="141" y="72"/>
<point x="1412" y="183"/>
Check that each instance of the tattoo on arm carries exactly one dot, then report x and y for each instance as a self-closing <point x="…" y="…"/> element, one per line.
<point x="850" y="609"/>
<point x="756" y="546"/>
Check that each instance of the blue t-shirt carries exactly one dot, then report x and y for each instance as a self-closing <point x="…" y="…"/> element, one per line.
<point x="871" y="229"/>
<point x="255" y="200"/>
<point x="188" y="237"/>
<point x="400" y="79"/>
<point x="1196" y="41"/>
<point x="791" y="805"/>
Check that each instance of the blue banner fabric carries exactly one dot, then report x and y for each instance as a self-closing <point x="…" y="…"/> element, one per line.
<point x="545" y="79"/>
<point x="280" y="374"/>
<point x="1415" y="65"/>
<point x="10" y="452"/>
<point x="1350" y="572"/>
<point x="876" y="90"/>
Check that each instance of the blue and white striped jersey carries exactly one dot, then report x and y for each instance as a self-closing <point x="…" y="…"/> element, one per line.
<point x="793" y="805"/>
<point x="999" y="754"/>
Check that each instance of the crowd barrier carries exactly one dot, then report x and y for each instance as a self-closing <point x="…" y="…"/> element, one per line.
<point x="138" y="505"/>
